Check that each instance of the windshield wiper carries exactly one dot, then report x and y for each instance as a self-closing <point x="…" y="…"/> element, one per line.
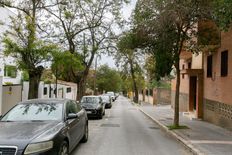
<point x="6" y="121"/>
<point x="37" y="121"/>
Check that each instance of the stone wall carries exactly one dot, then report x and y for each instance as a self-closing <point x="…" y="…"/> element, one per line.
<point x="162" y="96"/>
<point x="183" y="103"/>
<point x="218" y="113"/>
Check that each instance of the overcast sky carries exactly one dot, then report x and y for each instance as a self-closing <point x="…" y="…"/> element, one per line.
<point x="127" y="10"/>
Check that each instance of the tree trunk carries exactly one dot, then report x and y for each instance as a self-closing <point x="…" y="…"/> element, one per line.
<point x="81" y="88"/>
<point x="33" y="86"/>
<point x="79" y="91"/>
<point x="176" y="112"/>
<point x="136" y="97"/>
<point x="34" y="79"/>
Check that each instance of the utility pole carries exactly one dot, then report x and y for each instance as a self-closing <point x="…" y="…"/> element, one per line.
<point x="56" y="83"/>
<point x="95" y="77"/>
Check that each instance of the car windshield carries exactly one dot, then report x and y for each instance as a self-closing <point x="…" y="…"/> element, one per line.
<point x="105" y="98"/>
<point x="110" y="93"/>
<point x="91" y="100"/>
<point x="35" y="112"/>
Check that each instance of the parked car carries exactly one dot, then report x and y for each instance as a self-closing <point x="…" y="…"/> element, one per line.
<point x="112" y="95"/>
<point x="43" y="127"/>
<point x="94" y="106"/>
<point x="116" y="95"/>
<point x="107" y="100"/>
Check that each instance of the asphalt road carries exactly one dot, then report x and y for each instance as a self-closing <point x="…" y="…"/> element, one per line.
<point x="126" y="131"/>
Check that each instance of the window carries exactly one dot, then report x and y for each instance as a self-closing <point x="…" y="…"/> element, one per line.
<point x="183" y="66"/>
<point x="182" y="76"/>
<point x="69" y="90"/>
<point x="189" y="65"/>
<point x="209" y="66"/>
<point x="10" y="71"/>
<point x="45" y="90"/>
<point x="71" y="107"/>
<point x="224" y="63"/>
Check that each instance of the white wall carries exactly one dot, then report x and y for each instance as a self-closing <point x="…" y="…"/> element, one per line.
<point x="61" y="89"/>
<point x="4" y="18"/>
<point x="11" y="95"/>
<point x="25" y="91"/>
<point x="0" y="95"/>
<point x="197" y="61"/>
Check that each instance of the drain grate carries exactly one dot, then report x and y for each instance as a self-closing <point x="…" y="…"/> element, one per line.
<point x="110" y="125"/>
<point x="154" y="128"/>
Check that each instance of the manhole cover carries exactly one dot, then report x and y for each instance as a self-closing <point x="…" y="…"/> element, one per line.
<point x="110" y="125"/>
<point x="154" y="128"/>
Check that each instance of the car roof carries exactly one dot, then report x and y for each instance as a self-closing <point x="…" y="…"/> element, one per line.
<point x="104" y="95"/>
<point x="91" y="96"/>
<point x="47" y="101"/>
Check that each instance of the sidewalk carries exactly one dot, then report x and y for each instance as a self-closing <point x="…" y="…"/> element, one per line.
<point x="201" y="138"/>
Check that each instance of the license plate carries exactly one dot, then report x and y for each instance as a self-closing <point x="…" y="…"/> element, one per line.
<point x="89" y="112"/>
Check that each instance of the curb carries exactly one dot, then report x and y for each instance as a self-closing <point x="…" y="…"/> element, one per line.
<point x="184" y="142"/>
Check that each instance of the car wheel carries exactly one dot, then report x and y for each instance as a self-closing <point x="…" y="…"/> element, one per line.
<point x="100" y="116"/>
<point x="86" y="135"/>
<point x="64" y="149"/>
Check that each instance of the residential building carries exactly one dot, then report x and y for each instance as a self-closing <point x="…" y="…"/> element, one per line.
<point x="206" y="79"/>
<point x="8" y="69"/>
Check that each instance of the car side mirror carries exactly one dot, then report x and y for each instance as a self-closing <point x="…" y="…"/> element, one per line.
<point x="72" y="116"/>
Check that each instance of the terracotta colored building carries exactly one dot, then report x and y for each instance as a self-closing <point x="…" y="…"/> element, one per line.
<point x="206" y="82"/>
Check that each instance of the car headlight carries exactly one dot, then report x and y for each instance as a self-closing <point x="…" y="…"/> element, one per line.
<point x="98" y="107"/>
<point x="38" y="147"/>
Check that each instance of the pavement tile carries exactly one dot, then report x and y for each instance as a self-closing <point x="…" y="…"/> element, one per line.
<point x="204" y="137"/>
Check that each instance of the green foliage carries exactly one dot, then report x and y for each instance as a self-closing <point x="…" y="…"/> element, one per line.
<point x="108" y="79"/>
<point x="25" y="76"/>
<point x="63" y="62"/>
<point x="222" y="13"/>
<point x="160" y="84"/>
<point x="8" y="83"/>
<point x="127" y="82"/>
<point x="10" y="71"/>
<point x="48" y="77"/>
<point x="26" y="48"/>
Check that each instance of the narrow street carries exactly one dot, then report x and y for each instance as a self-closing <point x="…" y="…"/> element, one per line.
<point x="126" y="131"/>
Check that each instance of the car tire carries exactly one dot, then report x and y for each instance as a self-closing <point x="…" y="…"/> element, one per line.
<point x="100" y="116"/>
<point x="64" y="150"/>
<point x="86" y="135"/>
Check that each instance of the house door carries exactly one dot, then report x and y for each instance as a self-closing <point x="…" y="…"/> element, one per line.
<point x="193" y="93"/>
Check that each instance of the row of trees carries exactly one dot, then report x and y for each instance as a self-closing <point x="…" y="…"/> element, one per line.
<point x="68" y="33"/>
<point x="163" y="29"/>
<point x="105" y="79"/>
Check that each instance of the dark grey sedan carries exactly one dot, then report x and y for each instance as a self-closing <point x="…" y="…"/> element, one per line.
<point x="94" y="106"/>
<point x="43" y="127"/>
